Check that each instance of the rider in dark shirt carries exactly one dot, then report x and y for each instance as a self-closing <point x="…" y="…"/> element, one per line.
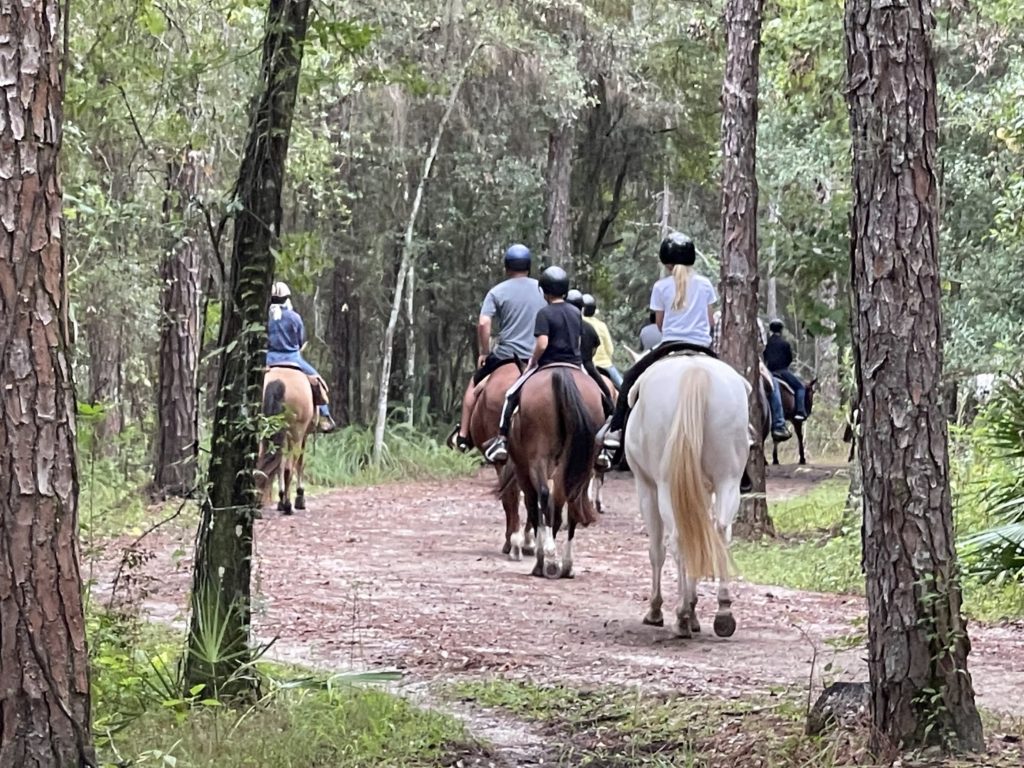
<point x="778" y="356"/>
<point x="558" y="329"/>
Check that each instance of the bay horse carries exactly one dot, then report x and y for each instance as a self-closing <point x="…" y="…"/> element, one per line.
<point x="789" y="411"/>
<point x="551" y="457"/>
<point x="687" y="443"/>
<point x="483" y="428"/>
<point x="287" y="392"/>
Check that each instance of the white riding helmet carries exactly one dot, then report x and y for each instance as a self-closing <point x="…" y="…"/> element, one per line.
<point x="280" y="291"/>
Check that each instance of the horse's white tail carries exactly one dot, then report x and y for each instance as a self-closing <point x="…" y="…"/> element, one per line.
<point x="697" y="538"/>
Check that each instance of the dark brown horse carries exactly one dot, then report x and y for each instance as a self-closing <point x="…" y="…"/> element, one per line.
<point x="551" y="457"/>
<point x="483" y="427"/>
<point x="287" y="393"/>
<point x="789" y="410"/>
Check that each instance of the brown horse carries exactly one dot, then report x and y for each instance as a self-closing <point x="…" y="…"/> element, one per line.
<point x="483" y="428"/>
<point x="287" y="392"/>
<point x="551" y="453"/>
<point x="789" y="410"/>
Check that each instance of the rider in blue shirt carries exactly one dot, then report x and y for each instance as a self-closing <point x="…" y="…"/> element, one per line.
<point x="286" y="335"/>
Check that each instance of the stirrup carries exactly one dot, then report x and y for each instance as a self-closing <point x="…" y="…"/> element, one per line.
<point x="603" y="462"/>
<point x="497" y="452"/>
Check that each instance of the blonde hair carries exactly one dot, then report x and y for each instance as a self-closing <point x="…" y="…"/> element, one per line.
<point x="681" y="274"/>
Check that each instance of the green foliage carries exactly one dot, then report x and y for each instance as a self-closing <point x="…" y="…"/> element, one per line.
<point x="302" y="720"/>
<point x="995" y="553"/>
<point x="346" y="458"/>
<point x="819" y="550"/>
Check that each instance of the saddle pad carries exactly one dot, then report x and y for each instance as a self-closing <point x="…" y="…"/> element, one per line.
<point x="291" y="366"/>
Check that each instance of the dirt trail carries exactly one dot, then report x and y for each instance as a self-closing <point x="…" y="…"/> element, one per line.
<point x="411" y="576"/>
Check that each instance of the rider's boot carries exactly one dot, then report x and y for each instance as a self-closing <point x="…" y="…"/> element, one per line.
<point x="457" y="441"/>
<point x="781" y="434"/>
<point x="326" y="423"/>
<point x="603" y="462"/>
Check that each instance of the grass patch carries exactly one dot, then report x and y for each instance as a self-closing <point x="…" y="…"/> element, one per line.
<point x="346" y="458"/>
<point x="610" y="728"/>
<point x="303" y="721"/>
<point x="815" y="552"/>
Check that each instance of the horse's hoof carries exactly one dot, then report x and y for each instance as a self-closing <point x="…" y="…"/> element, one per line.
<point x="300" y="503"/>
<point x="683" y="631"/>
<point x="507" y="548"/>
<point x="567" y="572"/>
<point x="529" y="551"/>
<point x="538" y="570"/>
<point x="654" y="621"/>
<point x="284" y="506"/>
<point x="552" y="570"/>
<point x="694" y="626"/>
<point x="803" y="461"/>
<point x="725" y="625"/>
<point x="516" y="555"/>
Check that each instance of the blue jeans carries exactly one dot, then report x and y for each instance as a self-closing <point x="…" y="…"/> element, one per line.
<point x="775" y="403"/>
<point x="296" y="359"/>
<point x="799" y="390"/>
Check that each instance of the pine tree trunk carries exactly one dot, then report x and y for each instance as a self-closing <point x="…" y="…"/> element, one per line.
<point x="917" y="638"/>
<point x="44" y="682"/>
<point x="826" y="353"/>
<point x="740" y="344"/>
<point x="221" y="579"/>
<point x="177" y="438"/>
<point x="558" y="229"/>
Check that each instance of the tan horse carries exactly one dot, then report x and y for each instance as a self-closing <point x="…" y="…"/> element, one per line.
<point x="287" y="392"/>
<point x="551" y="452"/>
<point x="483" y="428"/>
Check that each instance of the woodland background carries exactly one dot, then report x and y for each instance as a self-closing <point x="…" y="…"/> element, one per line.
<point x="607" y="112"/>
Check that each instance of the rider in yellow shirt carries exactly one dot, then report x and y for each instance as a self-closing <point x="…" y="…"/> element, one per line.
<point x="603" y="354"/>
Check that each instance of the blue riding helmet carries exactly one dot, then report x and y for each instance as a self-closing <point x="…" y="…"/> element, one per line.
<point x="517" y="258"/>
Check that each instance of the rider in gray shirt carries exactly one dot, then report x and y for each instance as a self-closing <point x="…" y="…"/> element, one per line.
<point x="514" y="303"/>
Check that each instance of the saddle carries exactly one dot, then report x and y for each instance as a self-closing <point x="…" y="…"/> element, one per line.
<point x="321" y="392"/>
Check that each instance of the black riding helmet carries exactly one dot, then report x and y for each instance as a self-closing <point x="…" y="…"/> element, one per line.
<point x="575" y="298"/>
<point x="775" y="326"/>
<point x="517" y="258"/>
<point x="677" y="248"/>
<point x="554" y="282"/>
<point x="589" y="305"/>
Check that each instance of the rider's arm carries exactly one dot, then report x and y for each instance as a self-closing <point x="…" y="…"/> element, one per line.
<point x="659" y="318"/>
<point x="711" y="319"/>
<point x="538" y="349"/>
<point x="483" y="335"/>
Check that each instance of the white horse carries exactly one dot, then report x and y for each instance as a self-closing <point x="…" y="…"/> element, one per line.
<point x="687" y="444"/>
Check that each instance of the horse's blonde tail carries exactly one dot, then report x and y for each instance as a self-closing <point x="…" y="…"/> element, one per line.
<point x="698" y="540"/>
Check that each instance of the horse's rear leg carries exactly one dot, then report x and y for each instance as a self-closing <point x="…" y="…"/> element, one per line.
<point x="684" y="612"/>
<point x="284" y="503"/>
<point x="775" y="453"/>
<point x="798" y="428"/>
<point x="300" y="492"/>
<point x="656" y="548"/>
<point x="513" y="538"/>
<point x="727" y="504"/>
<point x="567" y="552"/>
<point x="547" y="564"/>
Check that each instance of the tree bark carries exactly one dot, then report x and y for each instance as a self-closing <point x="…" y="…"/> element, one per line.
<point x="558" y="223"/>
<point x="177" y="438"/>
<point x="221" y="579"/>
<point x="921" y="691"/>
<point x="44" y="705"/>
<point x="740" y="344"/>
<point x="826" y="353"/>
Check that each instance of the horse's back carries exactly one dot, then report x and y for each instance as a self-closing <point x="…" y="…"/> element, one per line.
<point x="483" y="423"/>
<point x="654" y="414"/>
<point x="537" y="400"/>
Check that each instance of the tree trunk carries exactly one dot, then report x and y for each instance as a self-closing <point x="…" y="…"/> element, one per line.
<point x="105" y="380"/>
<point x="826" y="353"/>
<point x="917" y="638"/>
<point x="558" y="223"/>
<point x="177" y="438"/>
<point x="44" y="706"/>
<point x="740" y="342"/>
<point x="221" y="579"/>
